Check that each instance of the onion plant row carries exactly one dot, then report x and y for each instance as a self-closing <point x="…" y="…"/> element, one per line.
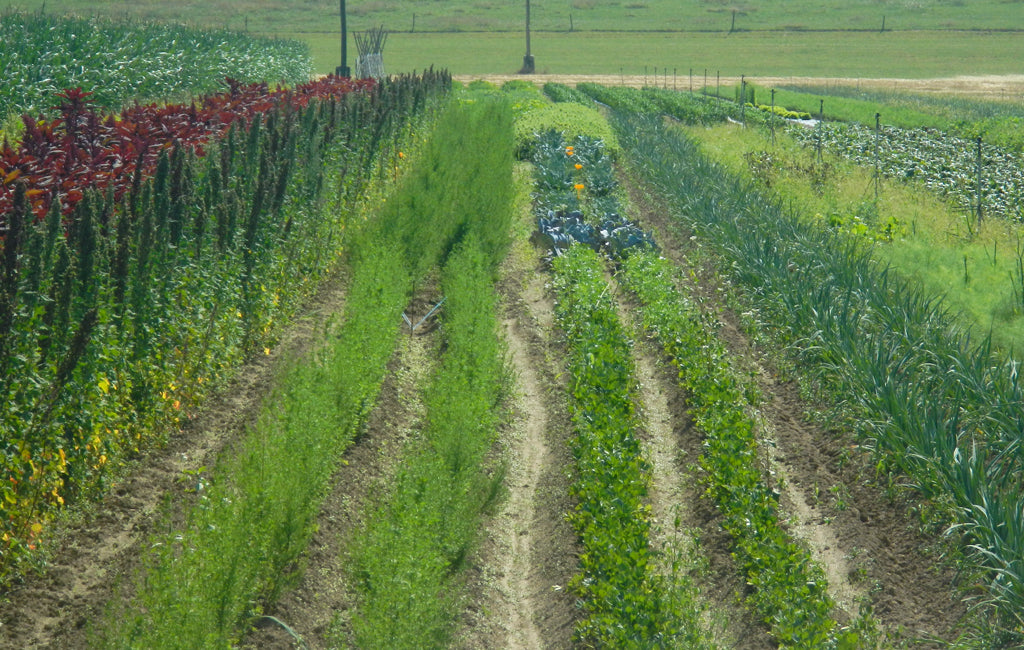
<point x="406" y="562"/>
<point x="937" y="406"/>
<point x="44" y="54"/>
<point x="121" y="306"/>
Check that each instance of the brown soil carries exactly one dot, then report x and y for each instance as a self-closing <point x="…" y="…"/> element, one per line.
<point x="528" y="552"/>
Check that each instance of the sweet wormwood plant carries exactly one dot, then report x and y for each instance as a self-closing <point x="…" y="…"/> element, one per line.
<point x="241" y="542"/>
<point x="951" y="424"/>
<point x="408" y="557"/>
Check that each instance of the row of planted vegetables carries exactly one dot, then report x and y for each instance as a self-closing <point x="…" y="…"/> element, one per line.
<point x="125" y="61"/>
<point x="950" y="424"/>
<point x="629" y="598"/>
<point x="145" y="253"/>
<point x="939" y="408"/>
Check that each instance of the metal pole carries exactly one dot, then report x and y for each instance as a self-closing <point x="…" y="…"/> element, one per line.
<point x="978" y="194"/>
<point x="528" y="63"/>
<point x="343" y="69"/>
<point x="878" y="135"/>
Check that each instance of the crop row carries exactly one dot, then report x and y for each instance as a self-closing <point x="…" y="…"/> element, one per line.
<point x="624" y="599"/>
<point x="946" y="164"/>
<point x="934" y="404"/>
<point x="44" y="54"/>
<point x="131" y="282"/>
<point x="629" y="597"/>
<point x="407" y="560"/>
<point x="256" y="512"/>
<point x="789" y="589"/>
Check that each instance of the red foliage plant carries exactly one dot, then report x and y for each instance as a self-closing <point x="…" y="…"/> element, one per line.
<point x="80" y="149"/>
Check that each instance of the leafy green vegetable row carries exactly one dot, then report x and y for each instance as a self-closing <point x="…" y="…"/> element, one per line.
<point x="789" y="588"/>
<point x="624" y="599"/>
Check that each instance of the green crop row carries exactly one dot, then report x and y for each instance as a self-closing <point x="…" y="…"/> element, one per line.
<point x="998" y="122"/>
<point x="561" y="93"/>
<point x="204" y="582"/>
<point x="118" y="62"/>
<point x="127" y="313"/>
<point x="789" y="589"/>
<point x="688" y="108"/>
<point x="935" y="404"/>
<point x="256" y="512"/>
<point x="625" y="601"/>
<point x="407" y="560"/>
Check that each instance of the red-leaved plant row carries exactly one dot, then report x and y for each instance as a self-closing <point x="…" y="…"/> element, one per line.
<point x="81" y="149"/>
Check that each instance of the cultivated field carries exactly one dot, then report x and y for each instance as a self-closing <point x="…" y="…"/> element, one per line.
<point x="606" y="358"/>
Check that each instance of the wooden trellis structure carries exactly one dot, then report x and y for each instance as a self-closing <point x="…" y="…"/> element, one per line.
<point x="370" y="45"/>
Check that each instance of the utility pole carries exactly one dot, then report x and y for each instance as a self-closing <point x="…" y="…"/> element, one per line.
<point x="343" y="69"/>
<point x="528" y="64"/>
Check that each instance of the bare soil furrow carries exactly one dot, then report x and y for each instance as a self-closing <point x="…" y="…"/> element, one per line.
<point x="527" y="556"/>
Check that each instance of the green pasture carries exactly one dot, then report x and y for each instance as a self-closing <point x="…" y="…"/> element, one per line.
<point x="563" y="15"/>
<point x="864" y="55"/>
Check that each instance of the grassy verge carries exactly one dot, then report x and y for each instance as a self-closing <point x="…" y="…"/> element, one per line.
<point x="913" y="55"/>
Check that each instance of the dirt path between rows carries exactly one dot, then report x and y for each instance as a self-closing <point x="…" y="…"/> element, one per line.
<point x="867" y="542"/>
<point x="100" y="549"/>
<point x="519" y="595"/>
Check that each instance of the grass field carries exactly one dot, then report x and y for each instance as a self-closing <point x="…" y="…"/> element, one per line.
<point x="926" y="38"/>
<point x="586" y="15"/>
<point x="907" y="55"/>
